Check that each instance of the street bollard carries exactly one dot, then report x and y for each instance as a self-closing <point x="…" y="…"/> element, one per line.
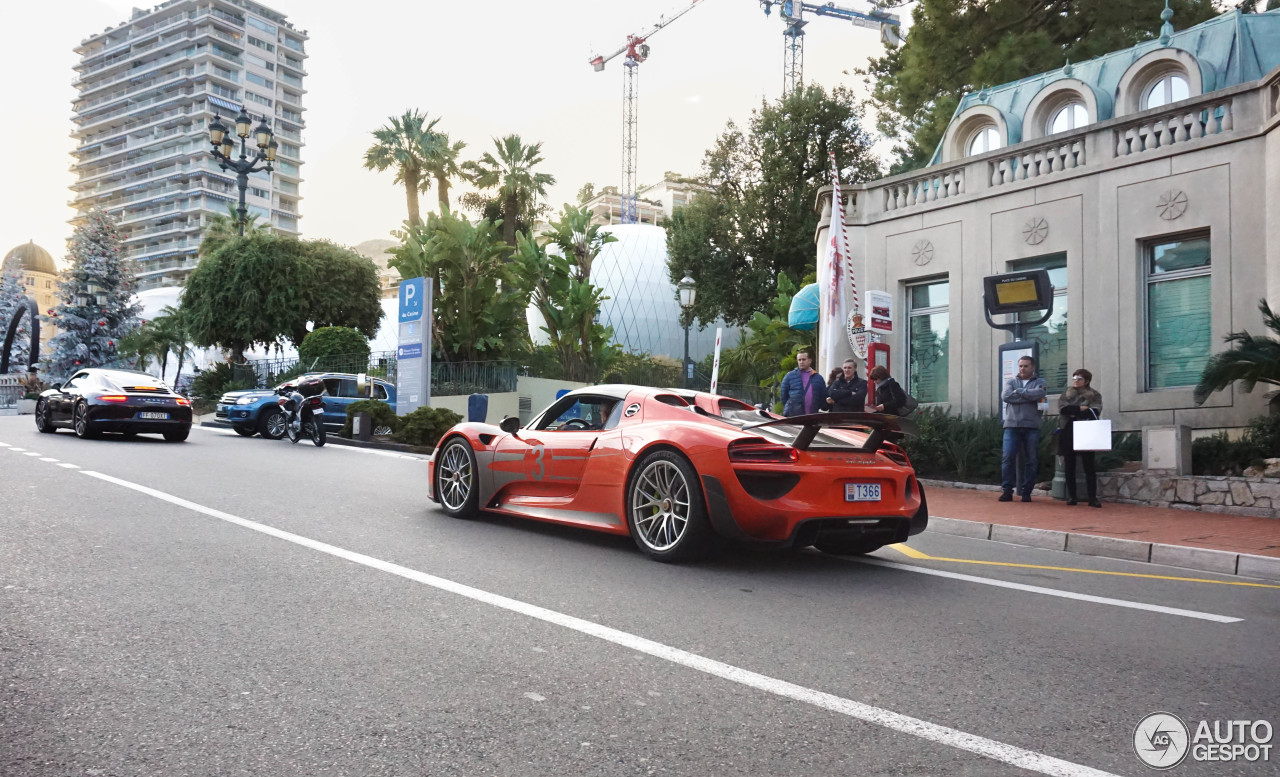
<point x="477" y="408"/>
<point x="362" y="426"/>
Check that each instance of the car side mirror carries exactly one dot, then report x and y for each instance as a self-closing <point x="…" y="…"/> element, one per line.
<point x="510" y="424"/>
<point x="57" y="386"/>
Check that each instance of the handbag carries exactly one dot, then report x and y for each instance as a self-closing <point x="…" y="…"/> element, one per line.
<point x="1091" y="435"/>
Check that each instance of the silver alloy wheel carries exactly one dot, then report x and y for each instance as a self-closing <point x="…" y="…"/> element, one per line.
<point x="42" y="415"/>
<point x="276" y="424"/>
<point x="81" y="420"/>
<point x="660" y="505"/>
<point x="455" y="477"/>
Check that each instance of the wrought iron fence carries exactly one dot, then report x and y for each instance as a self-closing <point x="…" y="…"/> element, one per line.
<point x="11" y="390"/>
<point x="447" y="378"/>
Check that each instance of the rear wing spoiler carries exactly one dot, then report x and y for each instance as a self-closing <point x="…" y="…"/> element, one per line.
<point x="881" y="427"/>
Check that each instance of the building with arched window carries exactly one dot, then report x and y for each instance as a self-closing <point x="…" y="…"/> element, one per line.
<point x="1146" y="181"/>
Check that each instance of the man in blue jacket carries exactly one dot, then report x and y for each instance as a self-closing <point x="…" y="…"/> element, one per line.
<point x="1021" y="396"/>
<point x="803" y="390"/>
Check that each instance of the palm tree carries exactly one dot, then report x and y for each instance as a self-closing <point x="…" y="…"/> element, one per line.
<point x="403" y="144"/>
<point x="1253" y="360"/>
<point x="157" y="338"/>
<point x="511" y="173"/>
<point x="442" y="163"/>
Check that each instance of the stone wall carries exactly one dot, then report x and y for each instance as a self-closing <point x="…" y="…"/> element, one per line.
<point x="1254" y="496"/>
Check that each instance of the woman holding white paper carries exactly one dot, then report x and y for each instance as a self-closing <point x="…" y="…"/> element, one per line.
<point x="1081" y="402"/>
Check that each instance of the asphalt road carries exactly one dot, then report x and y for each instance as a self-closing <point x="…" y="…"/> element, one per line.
<point x="231" y="606"/>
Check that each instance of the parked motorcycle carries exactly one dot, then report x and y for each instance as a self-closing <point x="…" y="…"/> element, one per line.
<point x="304" y="412"/>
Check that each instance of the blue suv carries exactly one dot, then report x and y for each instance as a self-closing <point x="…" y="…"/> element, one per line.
<point x="255" y="411"/>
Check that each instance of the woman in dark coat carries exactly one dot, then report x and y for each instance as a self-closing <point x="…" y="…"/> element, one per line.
<point x="889" y="395"/>
<point x="1078" y="403"/>
<point x="846" y="392"/>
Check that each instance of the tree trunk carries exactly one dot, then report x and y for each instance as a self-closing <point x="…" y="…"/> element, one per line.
<point x="177" y="374"/>
<point x="442" y="192"/>
<point x="509" y="211"/>
<point x="411" y="180"/>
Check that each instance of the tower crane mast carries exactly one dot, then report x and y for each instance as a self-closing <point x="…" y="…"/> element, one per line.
<point x="636" y="50"/>
<point x="792" y="13"/>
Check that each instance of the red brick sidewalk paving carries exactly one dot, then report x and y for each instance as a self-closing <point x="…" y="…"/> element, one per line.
<point x="1216" y="531"/>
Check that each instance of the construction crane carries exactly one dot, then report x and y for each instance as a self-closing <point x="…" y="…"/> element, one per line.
<point x="793" y="12"/>
<point x="636" y="50"/>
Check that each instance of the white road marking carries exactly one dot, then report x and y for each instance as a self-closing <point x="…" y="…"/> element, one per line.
<point x="55" y="461"/>
<point x="16" y="450"/>
<point x="32" y="453"/>
<point x="68" y="466"/>
<point x="388" y="454"/>
<point x="988" y="748"/>
<point x="4" y="445"/>
<point x="1035" y="589"/>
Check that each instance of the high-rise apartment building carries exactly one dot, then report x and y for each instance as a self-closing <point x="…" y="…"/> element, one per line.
<point x="148" y="89"/>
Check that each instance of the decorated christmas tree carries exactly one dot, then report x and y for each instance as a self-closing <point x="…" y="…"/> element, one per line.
<point x="12" y="290"/>
<point x="97" y="300"/>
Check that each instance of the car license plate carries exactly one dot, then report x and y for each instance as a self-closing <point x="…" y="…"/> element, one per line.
<point x="862" y="492"/>
<point x="222" y="408"/>
<point x="165" y="417"/>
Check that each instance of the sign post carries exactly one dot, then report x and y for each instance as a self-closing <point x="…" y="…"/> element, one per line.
<point x="413" y="352"/>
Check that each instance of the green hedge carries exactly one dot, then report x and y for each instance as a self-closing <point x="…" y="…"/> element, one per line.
<point x="379" y="412"/>
<point x="1220" y="455"/>
<point x="425" y="426"/>
<point x="967" y="448"/>
<point x="217" y="380"/>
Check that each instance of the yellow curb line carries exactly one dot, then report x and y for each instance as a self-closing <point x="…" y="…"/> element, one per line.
<point x="913" y="553"/>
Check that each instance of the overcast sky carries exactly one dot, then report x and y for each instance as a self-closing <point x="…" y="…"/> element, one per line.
<point x="487" y="67"/>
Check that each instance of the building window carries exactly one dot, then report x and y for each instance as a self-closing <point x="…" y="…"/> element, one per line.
<point x="927" y="341"/>
<point x="1052" y="334"/>
<point x="1178" y="307"/>
<point x="257" y="98"/>
<point x="983" y="140"/>
<point x="261" y="25"/>
<point x="262" y="44"/>
<point x="254" y="59"/>
<point x="296" y="45"/>
<point x="1169" y="88"/>
<point x="254" y="78"/>
<point x="1069" y="117"/>
<point x="256" y="192"/>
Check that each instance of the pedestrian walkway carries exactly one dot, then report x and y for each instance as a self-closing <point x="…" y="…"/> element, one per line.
<point x="1161" y="525"/>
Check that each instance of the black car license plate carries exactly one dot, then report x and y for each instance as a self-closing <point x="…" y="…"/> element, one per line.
<point x="151" y="416"/>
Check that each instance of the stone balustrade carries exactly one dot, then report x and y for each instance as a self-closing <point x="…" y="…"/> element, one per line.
<point x="1221" y="117"/>
<point x="1191" y="123"/>
<point x="1025" y="163"/>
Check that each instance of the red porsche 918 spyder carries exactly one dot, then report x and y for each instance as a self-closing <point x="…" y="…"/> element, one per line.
<point x="674" y="469"/>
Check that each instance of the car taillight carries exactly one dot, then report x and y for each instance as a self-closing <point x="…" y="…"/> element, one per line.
<point x="182" y="401"/>
<point x="760" y="452"/>
<point x="114" y="398"/>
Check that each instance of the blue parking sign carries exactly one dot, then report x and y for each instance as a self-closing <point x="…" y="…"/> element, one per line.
<point x="411" y="300"/>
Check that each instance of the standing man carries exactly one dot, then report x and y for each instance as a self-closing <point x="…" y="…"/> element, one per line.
<point x="1022" y="396"/>
<point x="847" y="392"/>
<point x="803" y="390"/>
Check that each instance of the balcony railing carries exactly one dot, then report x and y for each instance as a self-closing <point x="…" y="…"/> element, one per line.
<point x="1194" y="123"/>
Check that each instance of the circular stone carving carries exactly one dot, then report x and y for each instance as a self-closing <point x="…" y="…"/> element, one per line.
<point x="1172" y="204"/>
<point x="1035" y="231"/>
<point x="922" y="252"/>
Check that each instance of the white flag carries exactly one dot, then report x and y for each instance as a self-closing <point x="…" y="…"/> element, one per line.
<point x="838" y="293"/>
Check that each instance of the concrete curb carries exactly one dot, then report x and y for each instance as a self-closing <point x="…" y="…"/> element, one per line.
<point x="1200" y="559"/>
<point x="334" y="439"/>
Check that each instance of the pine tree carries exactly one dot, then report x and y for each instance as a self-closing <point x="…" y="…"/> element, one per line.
<point x="89" y="331"/>
<point x="12" y="291"/>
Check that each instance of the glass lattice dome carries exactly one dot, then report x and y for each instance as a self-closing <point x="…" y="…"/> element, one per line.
<point x="642" y="307"/>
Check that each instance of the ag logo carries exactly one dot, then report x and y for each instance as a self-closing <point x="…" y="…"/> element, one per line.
<point x="1160" y="740"/>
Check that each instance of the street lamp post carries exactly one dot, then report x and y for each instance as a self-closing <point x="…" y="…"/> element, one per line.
<point x="688" y="293"/>
<point x="224" y="148"/>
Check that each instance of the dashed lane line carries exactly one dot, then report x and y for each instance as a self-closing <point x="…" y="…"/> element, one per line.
<point x="988" y="748"/>
<point x="917" y="554"/>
